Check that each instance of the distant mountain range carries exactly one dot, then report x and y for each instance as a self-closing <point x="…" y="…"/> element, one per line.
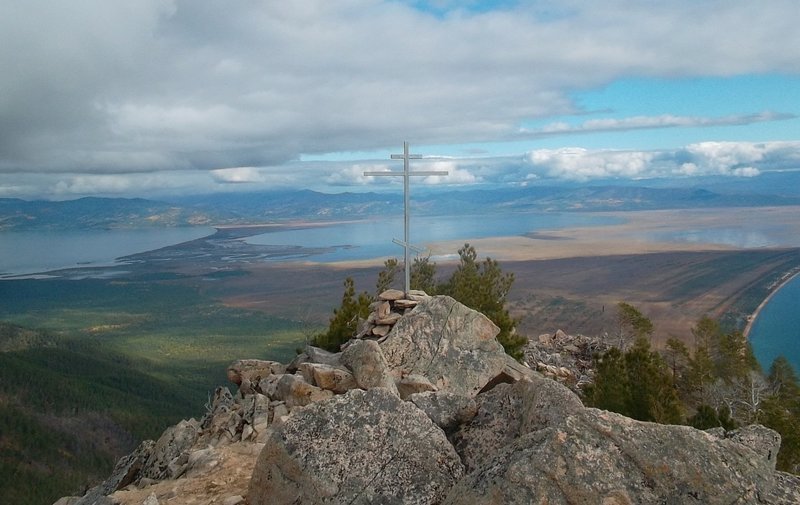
<point x="261" y="207"/>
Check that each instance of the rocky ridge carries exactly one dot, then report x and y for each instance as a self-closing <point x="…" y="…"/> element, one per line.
<point x="432" y="412"/>
<point x="565" y="358"/>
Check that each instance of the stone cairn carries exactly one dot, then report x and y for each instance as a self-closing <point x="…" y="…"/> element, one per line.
<point x="390" y="306"/>
<point x="568" y="359"/>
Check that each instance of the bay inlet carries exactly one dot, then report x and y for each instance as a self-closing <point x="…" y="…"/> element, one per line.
<point x="32" y="252"/>
<point x="775" y="331"/>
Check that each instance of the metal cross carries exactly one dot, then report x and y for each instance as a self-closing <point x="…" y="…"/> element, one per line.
<point x="406" y="174"/>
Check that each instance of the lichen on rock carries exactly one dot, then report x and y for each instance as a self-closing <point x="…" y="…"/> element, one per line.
<point x="361" y="447"/>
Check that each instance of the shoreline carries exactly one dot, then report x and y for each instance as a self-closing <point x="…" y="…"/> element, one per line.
<point x="752" y="318"/>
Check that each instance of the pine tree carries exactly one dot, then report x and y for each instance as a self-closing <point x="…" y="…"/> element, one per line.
<point x="652" y="394"/>
<point x="636" y="383"/>
<point x="700" y="376"/>
<point x="707" y="417"/>
<point x="706" y="333"/>
<point x="735" y="357"/>
<point x="677" y="357"/>
<point x="387" y="276"/>
<point x="784" y="381"/>
<point x="704" y="418"/>
<point x="611" y="389"/>
<point x="344" y="323"/>
<point x="781" y="412"/>
<point x="631" y="324"/>
<point x="484" y="287"/>
<point x="423" y="275"/>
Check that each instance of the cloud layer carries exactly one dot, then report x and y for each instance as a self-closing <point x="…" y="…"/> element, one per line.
<point x="541" y="166"/>
<point x="97" y="88"/>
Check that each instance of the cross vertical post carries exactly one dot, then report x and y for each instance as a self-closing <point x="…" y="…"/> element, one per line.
<point x="406" y="174"/>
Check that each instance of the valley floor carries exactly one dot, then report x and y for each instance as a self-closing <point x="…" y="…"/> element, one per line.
<point x="675" y="266"/>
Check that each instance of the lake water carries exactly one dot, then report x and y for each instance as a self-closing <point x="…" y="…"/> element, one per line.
<point x="373" y="239"/>
<point x="28" y="252"/>
<point x="764" y="236"/>
<point x="776" y="330"/>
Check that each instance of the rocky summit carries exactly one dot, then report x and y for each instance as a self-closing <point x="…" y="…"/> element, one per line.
<point x="432" y="411"/>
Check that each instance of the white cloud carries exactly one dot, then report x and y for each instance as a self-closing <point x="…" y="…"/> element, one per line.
<point x="456" y="175"/>
<point x="582" y="165"/>
<point x="647" y="122"/>
<point x="238" y="175"/>
<point x="353" y="175"/>
<point x="731" y="158"/>
<point x="738" y="159"/>
<point x="149" y="184"/>
<point x="746" y="172"/>
<point x="120" y="87"/>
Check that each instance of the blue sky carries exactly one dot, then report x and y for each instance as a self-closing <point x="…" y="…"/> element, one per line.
<point x="160" y="97"/>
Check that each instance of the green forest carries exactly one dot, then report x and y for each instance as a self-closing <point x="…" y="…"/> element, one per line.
<point x="716" y="384"/>
<point x="89" y="368"/>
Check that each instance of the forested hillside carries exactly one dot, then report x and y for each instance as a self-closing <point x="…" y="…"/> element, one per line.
<point x="116" y="363"/>
<point x="68" y="410"/>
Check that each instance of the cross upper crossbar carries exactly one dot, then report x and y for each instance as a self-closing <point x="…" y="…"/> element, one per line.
<point x="406" y="175"/>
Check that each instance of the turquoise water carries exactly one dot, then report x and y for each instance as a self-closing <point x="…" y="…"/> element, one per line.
<point x="776" y="330"/>
<point x="30" y="252"/>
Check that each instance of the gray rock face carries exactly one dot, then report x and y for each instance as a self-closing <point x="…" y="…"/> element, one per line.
<point x="391" y="295"/>
<point x="445" y="409"/>
<point x="219" y="404"/>
<point x="294" y="391"/>
<point x="595" y="456"/>
<point x="509" y="411"/>
<point x="151" y="500"/>
<point x="362" y="447"/>
<point x="165" y="461"/>
<point x="328" y="377"/>
<point x="760" y="439"/>
<point x="447" y="342"/>
<point x="253" y="370"/>
<point x="369" y="366"/>
<point x="67" y="500"/>
<point x="92" y="499"/>
<point x="318" y="355"/>
<point x="411" y="384"/>
<point x="566" y="358"/>
<point x="786" y="490"/>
